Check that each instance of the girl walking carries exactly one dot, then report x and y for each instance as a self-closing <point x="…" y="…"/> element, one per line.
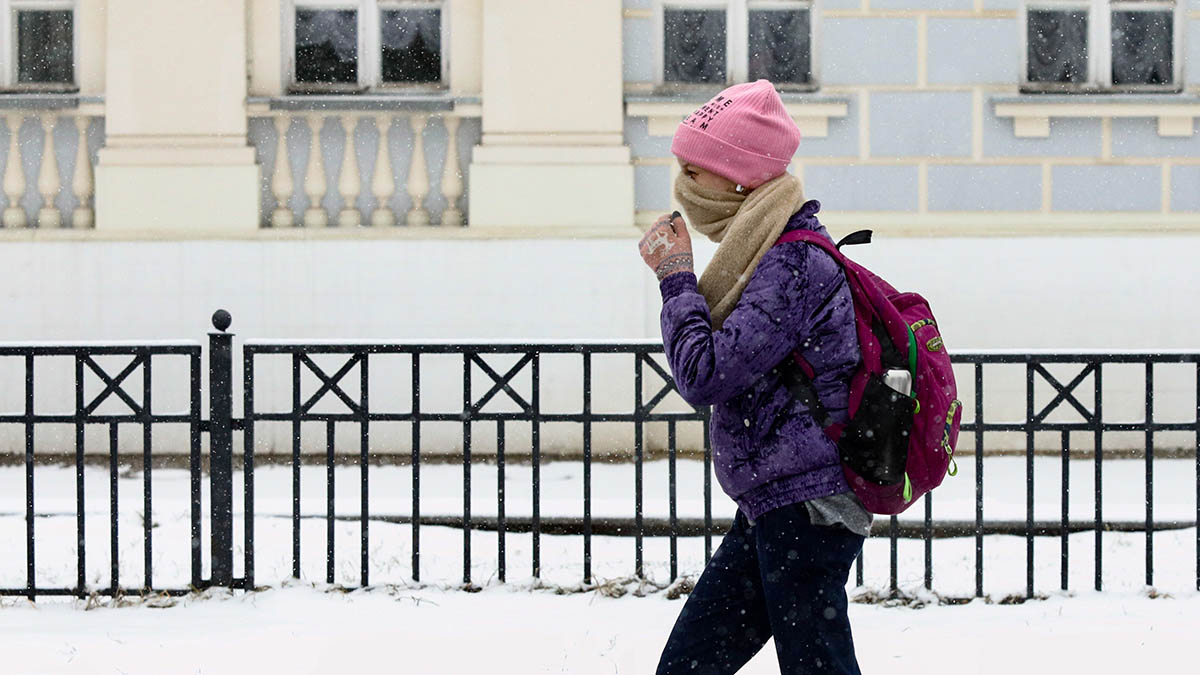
<point x="782" y="568"/>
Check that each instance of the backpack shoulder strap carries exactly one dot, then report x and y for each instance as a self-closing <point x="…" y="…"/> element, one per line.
<point x="797" y="372"/>
<point x="825" y="244"/>
<point x="810" y="237"/>
<point x="856" y="238"/>
<point x="852" y="239"/>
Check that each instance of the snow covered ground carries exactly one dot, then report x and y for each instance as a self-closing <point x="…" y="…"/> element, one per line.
<point x="517" y="628"/>
<point x="510" y="630"/>
<point x="390" y="545"/>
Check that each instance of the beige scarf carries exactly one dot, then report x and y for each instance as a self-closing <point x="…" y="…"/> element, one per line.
<point x="745" y="226"/>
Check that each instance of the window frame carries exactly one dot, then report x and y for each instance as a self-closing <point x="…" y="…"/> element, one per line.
<point x="737" y="41"/>
<point x="1099" y="36"/>
<point x="370" y="47"/>
<point x="9" y="58"/>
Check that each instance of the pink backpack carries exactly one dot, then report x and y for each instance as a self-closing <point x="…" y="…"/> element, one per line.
<point x="895" y="446"/>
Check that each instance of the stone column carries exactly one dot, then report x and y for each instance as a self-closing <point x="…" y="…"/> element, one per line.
<point x="553" y="117"/>
<point x="176" y="156"/>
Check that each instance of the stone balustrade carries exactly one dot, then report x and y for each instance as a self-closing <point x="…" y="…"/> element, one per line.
<point x="363" y="168"/>
<point x="48" y="176"/>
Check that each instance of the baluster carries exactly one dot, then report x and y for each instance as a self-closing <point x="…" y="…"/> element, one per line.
<point x="348" y="182"/>
<point x="48" y="181"/>
<point x="281" y="179"/>
<point x="418" y="178"/>
<point x="82" y="182"/>
<point x="383" y="185"/>
<point x="14" y="176"/>
<point x="452" y="182"/>
<point x="314" y="177"/>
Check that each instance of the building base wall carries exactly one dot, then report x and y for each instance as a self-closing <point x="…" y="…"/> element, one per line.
<point x="588" y="195"/>
<point x="175" y="200"/>
<point x="1099" y="293"/>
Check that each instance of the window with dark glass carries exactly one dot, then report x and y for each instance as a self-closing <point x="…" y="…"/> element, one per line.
<point x="706" y="42"/>
<point x="780" y="46"/>
<point x="45" y="47"/>
<point x="1101" y="45"/>
<point x="352" y="46"/>
<point x="411" y="45"/>
<point x="1143" y="47"/>
<point x="694" y="46"/>
<point x="326" y="46"/>
<point x="1057" y="44"/>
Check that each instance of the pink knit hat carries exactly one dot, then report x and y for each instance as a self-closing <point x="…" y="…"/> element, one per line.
<point x="743" y="134"/>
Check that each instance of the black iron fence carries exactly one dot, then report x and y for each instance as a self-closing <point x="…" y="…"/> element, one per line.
<point x="357" y="410"/>
<point x="86" y="413"/>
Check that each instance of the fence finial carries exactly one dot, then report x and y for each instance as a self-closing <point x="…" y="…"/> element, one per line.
<point x="221" y="320"/>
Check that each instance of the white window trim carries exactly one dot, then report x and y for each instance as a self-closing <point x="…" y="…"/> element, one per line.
<point x="811" y="115"/>
<point x="737" y="38"/>
<point x="1100" y="44"/>
<point x="1031" y="113"/>
<point x="370" y="68"/>
<point x="9" y="57"/>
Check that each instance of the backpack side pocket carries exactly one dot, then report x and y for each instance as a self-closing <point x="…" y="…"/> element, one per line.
<point x="875" y="442"/>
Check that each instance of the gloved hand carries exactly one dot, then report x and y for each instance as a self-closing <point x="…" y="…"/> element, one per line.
<point x="667" y="247"/>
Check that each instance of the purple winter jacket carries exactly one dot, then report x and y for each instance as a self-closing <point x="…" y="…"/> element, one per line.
<point x="767" y="450"/>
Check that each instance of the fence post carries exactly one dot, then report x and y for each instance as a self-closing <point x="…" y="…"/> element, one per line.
<point x="220" y="453"/>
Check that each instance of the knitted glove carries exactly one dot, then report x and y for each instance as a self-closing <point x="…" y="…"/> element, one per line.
<point x="667" y="247"/>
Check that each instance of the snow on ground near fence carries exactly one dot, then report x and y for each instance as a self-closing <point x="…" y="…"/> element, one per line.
<point x="507" y="630"/>
<point x="390" y="547"/>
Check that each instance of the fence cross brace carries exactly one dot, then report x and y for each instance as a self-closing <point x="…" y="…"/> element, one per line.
<point x="331" y="383"/>
<point x="113" y="385"/>
<point x="1065" y="393"/>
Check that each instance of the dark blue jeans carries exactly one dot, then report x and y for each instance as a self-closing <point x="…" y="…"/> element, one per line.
<point x="781" y="577"/>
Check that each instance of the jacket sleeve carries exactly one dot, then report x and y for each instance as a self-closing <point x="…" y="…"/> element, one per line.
<point x="768" y="323"/>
